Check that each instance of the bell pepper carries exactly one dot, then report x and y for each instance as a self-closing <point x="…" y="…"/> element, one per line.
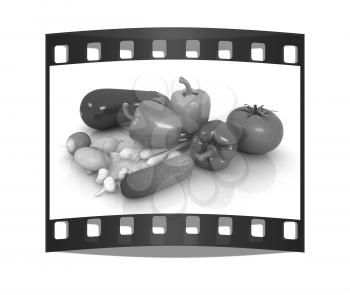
<point x="213" y="146"/>
<point x="155" y="125"/>
<point x="193" y="105"/>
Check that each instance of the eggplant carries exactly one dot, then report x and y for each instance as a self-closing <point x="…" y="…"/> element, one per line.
<point x="102" y="108"/>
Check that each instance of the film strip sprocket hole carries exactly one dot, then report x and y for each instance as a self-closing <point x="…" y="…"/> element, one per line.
<point x="65" y="50"/>
<point x="175" y="229"/>
<point x="225" y="51"/>
<point x="175" y="43"/>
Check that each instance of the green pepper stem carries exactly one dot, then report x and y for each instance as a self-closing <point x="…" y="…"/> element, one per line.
<point x="187" y="84"/>
<point x="184" y="136"/>
<point x="125" y="107"/>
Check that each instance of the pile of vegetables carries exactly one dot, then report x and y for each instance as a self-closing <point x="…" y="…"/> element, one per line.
<point x="170" y="137"/>
<point x="112" y="161"/>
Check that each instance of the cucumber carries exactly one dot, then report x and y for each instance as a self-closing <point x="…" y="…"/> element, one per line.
<point x="152" y="179"/>
<point x="102" y="108"/>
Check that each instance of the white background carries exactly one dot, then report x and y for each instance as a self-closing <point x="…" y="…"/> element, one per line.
<point x="24" y="265"/>
<point x="254" y="185"/>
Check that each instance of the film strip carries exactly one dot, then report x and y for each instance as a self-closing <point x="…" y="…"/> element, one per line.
<point x="174" y="229"/>
<point x="177" y="42"/>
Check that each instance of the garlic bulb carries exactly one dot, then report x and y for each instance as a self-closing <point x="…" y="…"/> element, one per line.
<point x="101" y="175"/>
<point x="109" y="185"/>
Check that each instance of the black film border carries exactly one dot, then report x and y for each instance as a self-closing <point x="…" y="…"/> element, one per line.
<point x="142" y="40"/>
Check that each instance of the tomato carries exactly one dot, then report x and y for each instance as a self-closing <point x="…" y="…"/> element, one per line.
<point x="260" y="129"/>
